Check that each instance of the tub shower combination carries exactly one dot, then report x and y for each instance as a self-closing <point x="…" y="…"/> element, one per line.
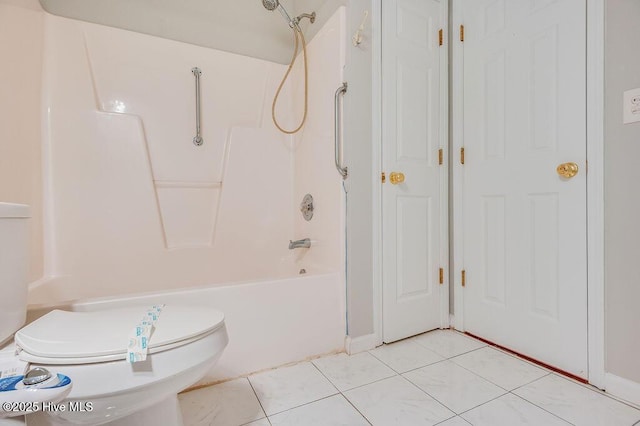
<point x="137" y="215"/>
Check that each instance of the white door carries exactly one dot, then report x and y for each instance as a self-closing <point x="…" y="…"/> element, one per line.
<point x="524" y="225"/>
<point x="412" y="120"/>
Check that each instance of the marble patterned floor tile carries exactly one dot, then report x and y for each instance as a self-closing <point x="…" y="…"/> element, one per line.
<point x="405" y="355"/>
<point x="350" y="371"/>
<point x="231" y="403"/>
<point x="577" y="404"/>
<point x="458" y="389"/>
<point x="447" y="343"/>
<point x="396" y="401"/>
<point x="511" y="410"/>
<point x="500" y="368"/>
<point x="288" y="387"/>
<point x="332" y="411"/>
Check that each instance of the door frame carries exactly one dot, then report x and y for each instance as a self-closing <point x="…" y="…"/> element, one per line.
<point x="376" y="99"/>
<point x="595" y="181"/>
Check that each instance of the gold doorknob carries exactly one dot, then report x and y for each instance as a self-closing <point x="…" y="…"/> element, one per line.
<point x="396" y="177"/>
<point x="567" y="170"/>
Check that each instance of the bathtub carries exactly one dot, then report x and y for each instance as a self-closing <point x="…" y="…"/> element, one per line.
<point x="270" y="322"/>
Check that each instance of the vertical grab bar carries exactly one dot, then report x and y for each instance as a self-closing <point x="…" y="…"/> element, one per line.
<point x="197" y="140"/>
<point x="338" y="130"/>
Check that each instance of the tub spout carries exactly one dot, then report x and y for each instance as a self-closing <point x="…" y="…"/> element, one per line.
<point x="306" y="243"/>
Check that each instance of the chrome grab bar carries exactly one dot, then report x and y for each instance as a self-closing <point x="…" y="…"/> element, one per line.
<point x="197" y="140"/>
<point x="338" y="130"/>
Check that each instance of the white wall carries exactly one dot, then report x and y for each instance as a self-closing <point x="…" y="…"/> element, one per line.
<point x="21" y="39"/>
<point x="622" y="206"/>
<point x="359" y="154"/>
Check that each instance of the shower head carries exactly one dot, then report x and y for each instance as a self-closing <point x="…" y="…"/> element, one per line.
<point x="270" y="4"/>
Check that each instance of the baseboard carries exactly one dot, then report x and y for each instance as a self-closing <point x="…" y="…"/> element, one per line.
<point x="622" y="388"/>
<point x="353" y="345"/>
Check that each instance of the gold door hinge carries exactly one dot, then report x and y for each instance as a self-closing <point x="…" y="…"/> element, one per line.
<point x="440" y="37"/>
<point x="464" y="278"/>
<point x="461" y="155"/>
<point x="441" y="275"/>
<point x="440" y="156"/>
<point x="462" y="33"/>
<point x="383" y="177"/>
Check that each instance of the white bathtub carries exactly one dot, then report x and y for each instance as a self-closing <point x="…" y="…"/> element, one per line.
<point x="270" y="323"/>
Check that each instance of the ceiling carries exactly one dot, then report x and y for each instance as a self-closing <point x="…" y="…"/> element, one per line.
<point x="240" y="26"/>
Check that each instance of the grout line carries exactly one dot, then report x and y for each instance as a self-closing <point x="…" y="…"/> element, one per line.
<point x="542" y="408"/>
<point x="412" y="369"/>
<point x="309" y="403"/>
<point x="454" y="417"/>
<point x="425" y="366"/>
<point x="480" y="405"/>
<point x="306" y="403"/>
<point x="257" y="420"/>
<point x="533" y="381"/>
<point x="370" y="383"/>
<point x="259" y="402"/>
<point x="382" y="361"/>
<point x="592" y="388"/>
<point x="337" y="392"/>
<point x="328" y="379"/>
<point x="493" y="383"/>
<point x="519" y="358"/>
<point x="587" y="387"/>
<point x="449" y="408"/>
<point x="484" y="345"/>
<point x="430" y="396"/>
<point x="356" y="408"/>
<point x="478" y="375"/>
<point x="359" y="386"/>
<point x="532" y="360"/>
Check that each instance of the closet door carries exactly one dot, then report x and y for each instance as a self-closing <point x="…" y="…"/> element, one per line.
<point x="412" y="89"/>
<point x="524" y="185"/>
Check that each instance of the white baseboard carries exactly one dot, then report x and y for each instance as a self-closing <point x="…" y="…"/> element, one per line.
<point x="622" y="388"/>
<point x="353" y="345"/>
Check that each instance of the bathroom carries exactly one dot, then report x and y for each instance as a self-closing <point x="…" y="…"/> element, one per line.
<point x="126" y="210"/>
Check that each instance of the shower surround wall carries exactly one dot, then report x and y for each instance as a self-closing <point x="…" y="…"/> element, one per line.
<point x="138" y="213"/>
<point x="135" y="205"/>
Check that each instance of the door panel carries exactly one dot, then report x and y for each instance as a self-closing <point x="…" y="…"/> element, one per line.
<point x="411" y="91"/>
<point x="524" y="225"/>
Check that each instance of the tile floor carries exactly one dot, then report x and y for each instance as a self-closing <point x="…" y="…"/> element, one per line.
<point x="438" y="378"/>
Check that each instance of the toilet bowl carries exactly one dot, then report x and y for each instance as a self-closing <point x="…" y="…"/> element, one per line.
<point x="90" y="348"/>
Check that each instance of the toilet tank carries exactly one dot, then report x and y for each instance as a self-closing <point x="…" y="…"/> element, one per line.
<point x="14" y="260"/>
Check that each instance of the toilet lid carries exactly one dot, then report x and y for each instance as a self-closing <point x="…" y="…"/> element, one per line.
<point x="97" y="336"/>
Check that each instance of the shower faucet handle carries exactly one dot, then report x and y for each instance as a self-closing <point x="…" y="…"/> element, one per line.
<point x="306" y="207"/>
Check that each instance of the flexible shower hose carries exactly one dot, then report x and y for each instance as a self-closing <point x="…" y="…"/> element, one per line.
<point x="296" y="33"/>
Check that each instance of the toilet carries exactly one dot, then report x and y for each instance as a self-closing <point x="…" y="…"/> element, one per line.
<point x="90" y="348"/>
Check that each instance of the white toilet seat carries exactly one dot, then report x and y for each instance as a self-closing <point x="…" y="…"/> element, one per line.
<point x="72" y="338"/>
<point x="90" y="348"/>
